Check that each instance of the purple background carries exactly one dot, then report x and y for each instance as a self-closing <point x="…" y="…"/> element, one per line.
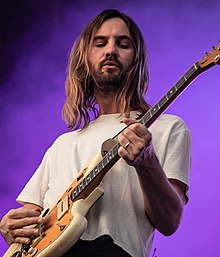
<point x="36" y="37"/>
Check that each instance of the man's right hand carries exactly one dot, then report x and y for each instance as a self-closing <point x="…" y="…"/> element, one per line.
<point x="19" y="225"/>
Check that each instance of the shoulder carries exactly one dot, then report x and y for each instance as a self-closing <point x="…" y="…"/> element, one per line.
<point x="169" y="124"/>
<point x="63" y="141"/>
<point x="66" y="137"/>
<point x="169" y="120"/>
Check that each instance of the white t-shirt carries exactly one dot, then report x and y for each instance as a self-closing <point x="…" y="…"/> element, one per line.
<point x="120" y="211"/>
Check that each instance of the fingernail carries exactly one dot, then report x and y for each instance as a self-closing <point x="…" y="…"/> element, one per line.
<point x="27" y="241"/>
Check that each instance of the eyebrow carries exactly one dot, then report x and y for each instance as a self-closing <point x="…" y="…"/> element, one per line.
<point x="120" y="37"/>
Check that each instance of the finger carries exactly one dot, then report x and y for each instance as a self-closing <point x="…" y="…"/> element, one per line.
<point x="125" y="154"/>
<point x="22" y="213"/>
<point x="11" y="237"/>
<point x="24" y="232"/>
<point x="134" y="125"/>
<point x="22" y="240"/>
<point x="124" y="139"/>
<point x="20" y="223"/>
<point x="139" y="129"/>
<point x="129" y="121"/>
<point x="22" y="235"/>
<point x="127" y="145"/>
<point x="129" y="136"/>
<point x="132" y="144"/>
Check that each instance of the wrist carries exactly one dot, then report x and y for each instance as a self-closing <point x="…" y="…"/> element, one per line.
<point x="145" y="158"/>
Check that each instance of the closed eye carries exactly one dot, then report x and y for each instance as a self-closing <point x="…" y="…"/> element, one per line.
<point x="124" y="42"/>
<point x="124" y="46"/>
<point x="99" y="41"/>
<point x="99" y="44"/>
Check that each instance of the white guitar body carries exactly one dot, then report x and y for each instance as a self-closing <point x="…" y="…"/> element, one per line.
<point x="72" y="232"/>
<point x="76" y="227"/>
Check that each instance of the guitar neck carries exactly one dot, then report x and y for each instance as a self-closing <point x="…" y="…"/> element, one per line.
<point x="171" y="95"/>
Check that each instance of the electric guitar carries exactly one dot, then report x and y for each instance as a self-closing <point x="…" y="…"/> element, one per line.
<point x="66" y="220"/>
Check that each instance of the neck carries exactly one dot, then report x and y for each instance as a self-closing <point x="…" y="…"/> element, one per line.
<point x="107" y="102"/>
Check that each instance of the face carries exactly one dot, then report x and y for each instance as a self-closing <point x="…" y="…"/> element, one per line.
<point x="110" y="54"/>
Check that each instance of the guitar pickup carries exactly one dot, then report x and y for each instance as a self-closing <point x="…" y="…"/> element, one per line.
<point x="62" y="207"/>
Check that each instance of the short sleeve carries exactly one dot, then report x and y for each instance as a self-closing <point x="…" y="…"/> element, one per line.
<point x="34" y="191"/>
<point x="172" y="144"/>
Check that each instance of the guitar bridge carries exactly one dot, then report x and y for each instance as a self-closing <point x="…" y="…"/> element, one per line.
<point x="62" y="207"/>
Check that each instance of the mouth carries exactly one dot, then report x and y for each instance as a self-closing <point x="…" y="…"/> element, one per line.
<point x="110" y="64"/>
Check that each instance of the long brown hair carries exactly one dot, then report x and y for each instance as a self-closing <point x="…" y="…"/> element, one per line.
<point x="80" y="99"/>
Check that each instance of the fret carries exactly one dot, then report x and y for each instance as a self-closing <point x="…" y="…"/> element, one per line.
<point x="109" y="156"/>
<point x="81" y="187"/>
<point x="88" y="179"/>
<point x="195" y="66"/>
<point x="115" y="150"/>
<point x="146" y="117"/>
<point x="153" y="110"/>
<point x="163" y="101"/>
<point x="73" y="195"/>
<point x="190" y="72"/>
<point x="157" y="106"/>
<point x="180" y="82"/>
<point x="84" y="183"/>
<point x="95" y="171"/>
<point x="171" y="92"/>
<point x="99" y="167"/>
<point x="142" y="120"/>
<point x="77" y="189"/>
<point x="92" y="174"/>
<point x="104" y="161"/>
<point x="74" y="192"/>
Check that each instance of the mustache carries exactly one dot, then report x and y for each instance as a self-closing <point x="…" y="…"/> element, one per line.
<point x="111" y="61"/>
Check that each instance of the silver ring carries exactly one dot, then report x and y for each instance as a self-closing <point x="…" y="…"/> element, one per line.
<point x="127" y="144"/>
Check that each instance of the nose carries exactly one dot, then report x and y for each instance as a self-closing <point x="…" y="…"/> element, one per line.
<point x="111" y="50"/>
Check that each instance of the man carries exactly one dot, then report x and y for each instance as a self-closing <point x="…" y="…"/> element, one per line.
<point x="147" y="188"/>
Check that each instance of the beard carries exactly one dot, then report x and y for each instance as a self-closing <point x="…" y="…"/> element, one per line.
<point x="110" y="80"/>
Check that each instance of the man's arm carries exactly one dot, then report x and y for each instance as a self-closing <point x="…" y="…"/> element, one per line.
<point x="164" y="199"/>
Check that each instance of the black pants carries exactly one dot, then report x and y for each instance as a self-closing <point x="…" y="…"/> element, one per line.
<point x="102" y="246"/>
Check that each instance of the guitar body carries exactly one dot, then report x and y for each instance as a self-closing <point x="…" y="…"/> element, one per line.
<point x="64" y="223"/>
